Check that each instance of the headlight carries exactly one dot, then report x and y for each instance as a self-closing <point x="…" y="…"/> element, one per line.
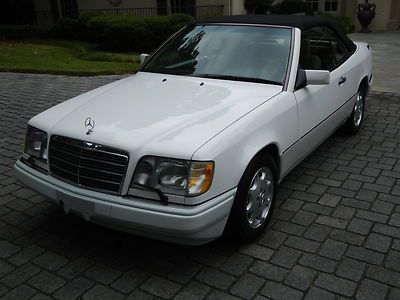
<point x="36" y="143"/>
<point x="173" y="176"/>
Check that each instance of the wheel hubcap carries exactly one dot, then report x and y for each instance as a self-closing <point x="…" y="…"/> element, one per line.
<point x="259" y="197"/>
<point x="358" y="109"/>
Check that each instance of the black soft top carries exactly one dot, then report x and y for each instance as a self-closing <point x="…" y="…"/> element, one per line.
<point x="301" y="22"/>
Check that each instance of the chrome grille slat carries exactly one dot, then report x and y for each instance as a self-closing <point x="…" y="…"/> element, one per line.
<point x="104" y="181"/>
<point x="87" y="164"/>
<point x="66" y="171"/>
<point x="98" y="150"/>
<point x="99" y="175"/>
<point x="66" y="152"/>
<point x="97" y="160"/>
<point x="101" y="171"/>
<point x="103" y="151"/>
<point x="63" y="160"/>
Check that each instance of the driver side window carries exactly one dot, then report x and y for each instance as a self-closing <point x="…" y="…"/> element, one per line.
<point x="321" y="49"/>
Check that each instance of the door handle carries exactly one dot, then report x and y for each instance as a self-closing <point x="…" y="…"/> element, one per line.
<point x="342" y="80"/>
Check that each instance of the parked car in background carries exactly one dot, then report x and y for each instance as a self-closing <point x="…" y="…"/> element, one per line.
<point x="195" y="143"/>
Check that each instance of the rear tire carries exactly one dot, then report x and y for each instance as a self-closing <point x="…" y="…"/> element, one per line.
<point x="254" y="201"/>
<point x="353" y="123"/>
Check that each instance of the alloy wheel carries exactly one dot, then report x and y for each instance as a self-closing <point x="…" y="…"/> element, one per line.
<point x="259" y="197"/>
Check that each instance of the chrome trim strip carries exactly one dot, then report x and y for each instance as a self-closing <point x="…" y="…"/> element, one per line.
<point x="290" y="61"/>
<point x="245" y="24"/>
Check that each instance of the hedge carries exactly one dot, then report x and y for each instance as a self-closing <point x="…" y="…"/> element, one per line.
<point x="258" y="6"/>
<point x="121" y="32"/>
<point x="21" y="32"/>
<point x="110" y="32"/>
<point x="69" y="28"/>
<point x="125" y="33"/>
<point x="289" y="7"/>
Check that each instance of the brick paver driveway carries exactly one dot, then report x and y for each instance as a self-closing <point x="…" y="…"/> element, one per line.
<point x="336" y="230"/>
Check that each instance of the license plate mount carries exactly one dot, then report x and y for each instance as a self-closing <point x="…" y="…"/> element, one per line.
<point x="76" y="206"/>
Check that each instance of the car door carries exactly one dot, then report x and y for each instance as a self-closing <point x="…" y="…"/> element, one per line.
<point x="345" y="73"/>
<point x="320" y="107"/>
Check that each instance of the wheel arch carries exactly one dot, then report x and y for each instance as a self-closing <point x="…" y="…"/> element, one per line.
<point x="364" y="83"/>
<point x="234" y="228"/>
<point x="271" y="149"/>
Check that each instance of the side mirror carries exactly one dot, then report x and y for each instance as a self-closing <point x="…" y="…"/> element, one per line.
<point x="311" y="77"/>
<point x="318" y="77"/>
<point x="143" y="57"/>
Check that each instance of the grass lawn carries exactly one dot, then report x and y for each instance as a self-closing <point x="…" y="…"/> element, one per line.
<point x="63" y="57"/>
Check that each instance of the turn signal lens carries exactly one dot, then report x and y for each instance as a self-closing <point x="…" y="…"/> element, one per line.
<point x="200" y="177"/>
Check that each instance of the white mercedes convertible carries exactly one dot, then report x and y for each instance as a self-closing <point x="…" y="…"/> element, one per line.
<point x="195" y="143"/>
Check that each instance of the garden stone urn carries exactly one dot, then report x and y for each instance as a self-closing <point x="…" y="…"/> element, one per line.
<point x="365" y="14"/>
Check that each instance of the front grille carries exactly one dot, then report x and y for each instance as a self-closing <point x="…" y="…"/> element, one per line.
<point x="87" y="165"/>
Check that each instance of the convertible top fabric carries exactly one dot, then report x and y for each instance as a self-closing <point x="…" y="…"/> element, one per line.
<point x="301" y="22"/>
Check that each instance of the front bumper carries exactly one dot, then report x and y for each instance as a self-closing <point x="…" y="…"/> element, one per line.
<point x="191" y="225"/>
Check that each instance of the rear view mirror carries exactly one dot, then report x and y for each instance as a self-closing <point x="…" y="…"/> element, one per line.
<point x="143" y="57"/>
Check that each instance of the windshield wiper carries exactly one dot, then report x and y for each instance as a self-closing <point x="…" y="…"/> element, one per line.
<point x="161" y="195"/>
<point x="238" y="78"/>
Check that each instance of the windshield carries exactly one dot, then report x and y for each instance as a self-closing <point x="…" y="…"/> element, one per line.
<point x="246" y="53"/>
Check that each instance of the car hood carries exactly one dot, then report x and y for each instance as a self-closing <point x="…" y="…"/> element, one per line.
<point x="156" y="114"/>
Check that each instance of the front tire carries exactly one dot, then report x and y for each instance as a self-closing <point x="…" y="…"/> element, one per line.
<point x="353" y="123"/>
<point x="254" y="201"/>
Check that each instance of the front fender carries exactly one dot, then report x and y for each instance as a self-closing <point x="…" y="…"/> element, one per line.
<point x="273" y="122"/>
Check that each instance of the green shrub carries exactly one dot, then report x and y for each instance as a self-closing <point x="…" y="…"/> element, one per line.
<point x="177" y="21"/>
<point x="85" y="17"/>
<point x="158" y="29"/>
<point x="69" y="28"/>
<point x="73" y="28"/>
<point x="111" y="32"/>
<point x="289" y="7"/>
<point x="19" y="32"/>
<point x="127" y="33"/>
<point x="344" y="21"/>
<point x="257" y="6"/>
<point x="119" y="33"/>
